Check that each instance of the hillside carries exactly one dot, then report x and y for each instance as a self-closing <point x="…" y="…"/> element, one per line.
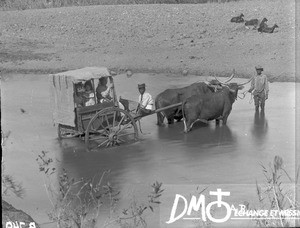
<point x="151" y="38"/>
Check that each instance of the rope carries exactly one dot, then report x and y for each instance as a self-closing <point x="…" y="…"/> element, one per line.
<point x="243" y="95"/>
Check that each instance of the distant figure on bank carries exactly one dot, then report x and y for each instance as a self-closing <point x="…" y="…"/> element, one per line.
<point x="103" y="91"/>
<point x="260" y="88"/>
<point x="145" y="105"/>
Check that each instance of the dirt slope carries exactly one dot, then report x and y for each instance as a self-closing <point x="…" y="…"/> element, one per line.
<point x="151" y="38"/>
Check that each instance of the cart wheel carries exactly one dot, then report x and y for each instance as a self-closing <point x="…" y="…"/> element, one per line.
<point x="64" y="132"/>
<point x="110" y="127"/>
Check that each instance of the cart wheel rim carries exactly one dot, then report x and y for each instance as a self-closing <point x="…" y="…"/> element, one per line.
<point x="110" y="127"/>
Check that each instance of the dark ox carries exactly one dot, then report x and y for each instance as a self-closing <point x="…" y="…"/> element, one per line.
<point x="212" y="106"/>
<point x="262" y="24"/>
<point x="252" y="22"/>
<point x="173" y="96"/>
<point x="269" y="29"/>
<point x="238" y="19"/>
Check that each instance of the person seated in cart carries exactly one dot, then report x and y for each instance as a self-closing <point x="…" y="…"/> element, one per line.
<point x="103" y="91"/>
<point x="89" y="94"/>
<point x="145" y="105"/>
<point x="79" y="95"/>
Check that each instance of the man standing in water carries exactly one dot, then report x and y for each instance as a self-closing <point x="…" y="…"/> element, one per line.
<point x="260" y="88"/>
<point x="145" y="105"/>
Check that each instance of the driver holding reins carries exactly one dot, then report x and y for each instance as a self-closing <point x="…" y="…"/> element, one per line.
<point x="145" y="105"/>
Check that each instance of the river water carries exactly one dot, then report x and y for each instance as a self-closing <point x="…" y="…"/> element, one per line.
<point x="226" y="157"/>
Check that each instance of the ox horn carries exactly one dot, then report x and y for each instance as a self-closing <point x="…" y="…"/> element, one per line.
<point x="231" y="77"/>
<point x="246" y="82"/>
<point x="228" y="80"/>
<point x="220" y="81"/>
<point x="207" y="80"/>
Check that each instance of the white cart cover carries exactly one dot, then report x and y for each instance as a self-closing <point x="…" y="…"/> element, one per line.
<point x="62" y="91"/>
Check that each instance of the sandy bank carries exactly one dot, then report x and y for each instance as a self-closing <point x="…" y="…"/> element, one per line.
<point x="151" y="38"/>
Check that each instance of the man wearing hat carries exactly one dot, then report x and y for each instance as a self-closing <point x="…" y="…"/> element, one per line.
<point x="145" y="105"/>
<point x="260" y="88"/>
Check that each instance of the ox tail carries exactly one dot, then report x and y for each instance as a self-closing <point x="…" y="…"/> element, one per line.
<point x="160" y="116"/>
<point x="183" y="116"/>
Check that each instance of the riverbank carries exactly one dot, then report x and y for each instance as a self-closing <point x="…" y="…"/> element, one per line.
<point x="171" y="39"/>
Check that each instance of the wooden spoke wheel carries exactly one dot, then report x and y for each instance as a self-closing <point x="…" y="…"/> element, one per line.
<point x="110" y="127"/>
<point x="64" y="132"/>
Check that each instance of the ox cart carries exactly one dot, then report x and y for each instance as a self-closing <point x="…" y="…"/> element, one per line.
<point x="79" y="110"/>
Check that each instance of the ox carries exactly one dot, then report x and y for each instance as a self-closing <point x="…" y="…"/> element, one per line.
<point x="173" y="96"/>
<point x="212" y="106"/>
<point x="238" y="19"/>
<point x="252" y="22"/>
<point x="269" y="29"/>
<point x="262" y="24"/>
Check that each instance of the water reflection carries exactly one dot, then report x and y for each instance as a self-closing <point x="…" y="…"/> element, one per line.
<point x="83" y="164"/>
<point x="210" y="136"/>
<point x="202" y="135"/>
<point x="171" y="132"/>
<point x="260" y="127"/>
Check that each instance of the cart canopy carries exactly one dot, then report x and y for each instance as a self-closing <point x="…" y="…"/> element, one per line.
<point x="62" y="91"/>
<point x="85" y="74"/>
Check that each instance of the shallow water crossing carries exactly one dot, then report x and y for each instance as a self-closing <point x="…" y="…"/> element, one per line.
<point x="226" y="157"/>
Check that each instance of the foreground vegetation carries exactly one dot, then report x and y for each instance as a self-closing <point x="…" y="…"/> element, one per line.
<point x="277" y="195"/>
<point x="41" y="4"/>
<point x="77" y="202"/>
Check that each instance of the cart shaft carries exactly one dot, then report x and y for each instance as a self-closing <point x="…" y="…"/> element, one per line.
<point x="167" y="107"/>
